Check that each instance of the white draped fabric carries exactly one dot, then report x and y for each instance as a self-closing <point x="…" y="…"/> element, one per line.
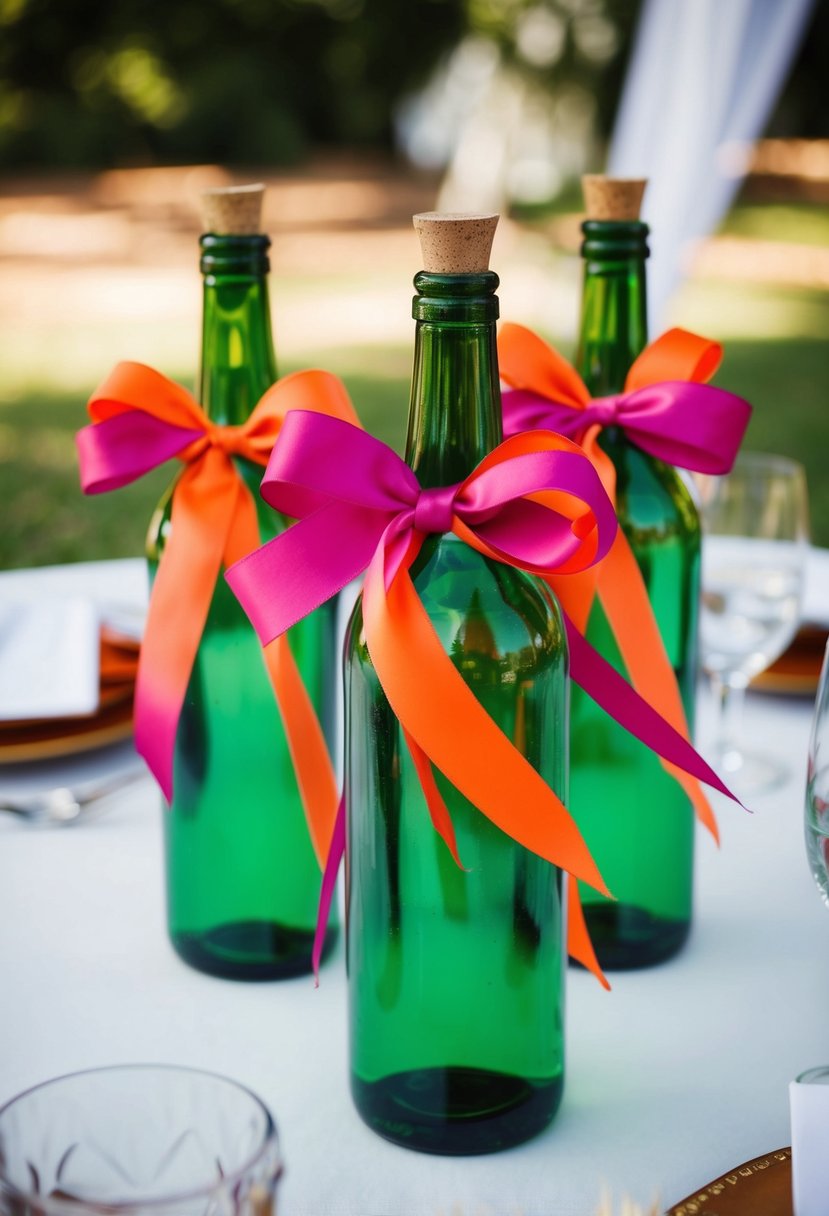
<point x="701" y="83"/>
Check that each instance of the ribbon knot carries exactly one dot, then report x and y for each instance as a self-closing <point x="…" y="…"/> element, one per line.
<point x="603" y="411"/>
<point x="232" y="440"/>
<point x="435" y="509"/>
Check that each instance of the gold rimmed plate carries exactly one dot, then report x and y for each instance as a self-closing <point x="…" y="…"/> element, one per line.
<point x="760" y="1187"/>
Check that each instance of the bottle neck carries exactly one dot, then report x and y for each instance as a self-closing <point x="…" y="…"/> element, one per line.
<point x="455" y="407"/>
<point x="237" y="356"/>
<point x="614" y="324"/>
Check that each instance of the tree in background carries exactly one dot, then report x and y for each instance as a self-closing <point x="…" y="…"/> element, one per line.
<point x="111" y="82"/>
<point x="97" y="83"/>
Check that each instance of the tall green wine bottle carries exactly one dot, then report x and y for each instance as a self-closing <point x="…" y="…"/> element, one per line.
<point x="455" y="976"/>
<point x="637" y="821"/>
<point x="242" y="879"/>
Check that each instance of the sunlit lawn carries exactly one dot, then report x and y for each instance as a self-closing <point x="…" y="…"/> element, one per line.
<point x="47" y="519"/>
<point x="776" y="356"/>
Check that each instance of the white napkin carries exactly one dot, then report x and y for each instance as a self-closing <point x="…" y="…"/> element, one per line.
<point x="49" y="658"/>
<point x="809" y="1109"/>
<point x="815" y="610"/>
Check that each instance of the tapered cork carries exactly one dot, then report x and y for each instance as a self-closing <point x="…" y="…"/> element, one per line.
<point x="613" y="198"/>
<point x="455" y="242"/>
<point x="233" y="210"/>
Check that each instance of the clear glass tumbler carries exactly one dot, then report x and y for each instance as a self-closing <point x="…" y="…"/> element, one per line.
<point x="138" y="1139"/>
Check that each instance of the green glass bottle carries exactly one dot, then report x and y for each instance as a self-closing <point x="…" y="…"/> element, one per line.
<point x="455" y="977"/>
<point x="242" y="879"/>
<point x="636" y="819"/>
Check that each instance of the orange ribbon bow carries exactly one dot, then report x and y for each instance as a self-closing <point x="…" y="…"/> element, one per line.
<point x="528" y="363"/>
<point x="141" y="419"/>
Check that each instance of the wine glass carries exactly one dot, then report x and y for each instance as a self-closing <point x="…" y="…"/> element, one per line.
<point x="817" y="785"/>
<point x="754" y="547"/>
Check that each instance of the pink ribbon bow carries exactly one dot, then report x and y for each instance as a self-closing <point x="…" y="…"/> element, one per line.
<point x="692" y="426"/>
<point x="356" y="500"/>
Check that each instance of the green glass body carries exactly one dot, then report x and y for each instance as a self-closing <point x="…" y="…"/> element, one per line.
<point x="242" y="879"/>
<point x="455" y="977"/>
<point x="636" y="819"/>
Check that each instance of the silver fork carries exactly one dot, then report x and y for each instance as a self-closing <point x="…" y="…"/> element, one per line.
<point x="65" y="805"/>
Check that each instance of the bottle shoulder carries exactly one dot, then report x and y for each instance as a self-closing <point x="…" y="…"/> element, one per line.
<point x="493" y="620"/>
<point x="271" y="522"/>
<point x="651" y="496"/>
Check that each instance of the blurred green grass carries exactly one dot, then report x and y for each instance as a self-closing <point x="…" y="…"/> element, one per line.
<point x="48" y="520"/>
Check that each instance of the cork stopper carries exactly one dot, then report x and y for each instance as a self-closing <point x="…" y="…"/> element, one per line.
<point x="233" y="210"/>
<point x="613" y="198"/>
<point x="455" y="242"/>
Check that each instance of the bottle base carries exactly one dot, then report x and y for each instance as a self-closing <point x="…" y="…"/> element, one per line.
<point x="456" y="1112"/>
<point x="251" y="950"/>
<point x="626" y="938"/>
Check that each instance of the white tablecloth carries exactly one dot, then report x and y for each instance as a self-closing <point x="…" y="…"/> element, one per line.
<point x="674" y="1077"/>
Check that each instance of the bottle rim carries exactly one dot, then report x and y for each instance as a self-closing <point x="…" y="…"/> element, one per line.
<point x="466" y="298"/>
<point x="613" y="239"/>
<point x="234" y="253"/>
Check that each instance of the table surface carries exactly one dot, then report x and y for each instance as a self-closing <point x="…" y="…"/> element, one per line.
<point x="673" y="1078"/>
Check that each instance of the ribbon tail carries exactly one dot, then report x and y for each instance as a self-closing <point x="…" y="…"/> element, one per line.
<point x="438" y="810"/>
<point x="312" y="765"/>
<point x="203" y="506"/>
<point x="579" y="945"/>
<point x="456" y="732"/>
<point x="575" y="594"/>
<point x="624" y="597"/>
<point x="601" y="681"/>
<point x="328" y="887"/>
<point x="303" y="733"/>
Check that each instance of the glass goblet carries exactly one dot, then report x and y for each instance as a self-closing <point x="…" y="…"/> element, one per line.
<point x="816" y="820"/>
<point x="754" y="548"/>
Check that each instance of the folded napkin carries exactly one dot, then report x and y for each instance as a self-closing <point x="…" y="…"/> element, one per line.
<point x="49" y="658"/>
<point x="815" y="610"/>
<point x="809" y="1111"/>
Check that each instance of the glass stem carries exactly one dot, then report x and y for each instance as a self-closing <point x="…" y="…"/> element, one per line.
<point x="730" y="699"/>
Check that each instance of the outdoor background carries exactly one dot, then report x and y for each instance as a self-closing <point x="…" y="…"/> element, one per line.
<point x="114" y="114"/>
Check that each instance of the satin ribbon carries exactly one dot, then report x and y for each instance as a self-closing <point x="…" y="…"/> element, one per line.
<point x="669" y="413"/>
<point x="140" y="419"/>
<point x="535" y="502"/>
<point x="664" y="410"/>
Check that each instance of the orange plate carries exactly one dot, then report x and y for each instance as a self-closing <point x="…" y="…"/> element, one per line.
<point x="760" y="1187"/>
<point x="66" y="736"/>
<point x="119" y="656"/>
<point x="797" y="670"/>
